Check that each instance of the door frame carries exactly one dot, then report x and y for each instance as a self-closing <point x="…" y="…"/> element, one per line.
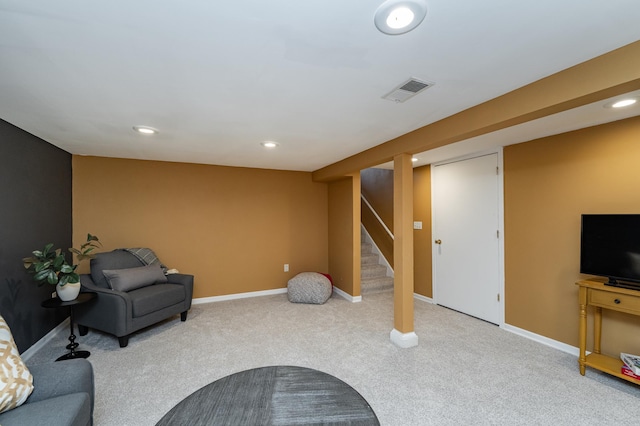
<point x="500" y="159"/>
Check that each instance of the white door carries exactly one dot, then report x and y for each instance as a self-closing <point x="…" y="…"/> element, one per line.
<point x="466" y="250"/>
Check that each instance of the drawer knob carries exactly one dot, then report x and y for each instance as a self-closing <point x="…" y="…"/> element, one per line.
<point x="616" y="301"/>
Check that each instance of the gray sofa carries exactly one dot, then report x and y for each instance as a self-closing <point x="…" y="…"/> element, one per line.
<point x="123" y="312"/>
<point x="63" y="394"/>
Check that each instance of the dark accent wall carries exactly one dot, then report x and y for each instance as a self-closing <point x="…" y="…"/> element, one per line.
<point x="35" y="209"/>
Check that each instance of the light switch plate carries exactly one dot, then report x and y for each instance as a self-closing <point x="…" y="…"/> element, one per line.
<point x="417" y="225"/>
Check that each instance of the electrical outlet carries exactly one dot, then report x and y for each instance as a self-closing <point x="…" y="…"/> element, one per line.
<point x="286" y="267"/>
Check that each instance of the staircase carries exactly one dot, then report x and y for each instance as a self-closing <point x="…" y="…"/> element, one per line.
<point x="373" y="275"/>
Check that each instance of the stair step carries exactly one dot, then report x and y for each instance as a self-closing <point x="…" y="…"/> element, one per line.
<point x="368" y="258"/>
<point x="376" y="285"/>
<point x="366" y="248"/>
<point x="372" y="271"/>
<point x="373" y="275"/>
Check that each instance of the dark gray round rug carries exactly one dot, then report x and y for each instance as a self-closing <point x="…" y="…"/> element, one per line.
<point x="279" y="395"/>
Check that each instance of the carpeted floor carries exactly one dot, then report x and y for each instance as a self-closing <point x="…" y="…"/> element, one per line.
<point x="464" y="371"/>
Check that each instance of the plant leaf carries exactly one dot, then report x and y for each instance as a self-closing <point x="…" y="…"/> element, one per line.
<point x="47" y="248"/>
<point x="58" y="262"/>
<point x="41" y="275"/>
<point x="52" y="278"/>
<point x="42" y="266"/>
<point x="66" y="269"/>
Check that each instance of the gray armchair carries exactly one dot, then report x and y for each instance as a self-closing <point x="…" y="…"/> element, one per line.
<point x="122" y="306"/>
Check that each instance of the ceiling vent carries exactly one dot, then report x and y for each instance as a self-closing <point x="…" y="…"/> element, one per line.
<point x="407" y="90"/>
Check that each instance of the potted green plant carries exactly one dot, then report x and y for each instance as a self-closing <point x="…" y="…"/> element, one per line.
<point x="50" y="266"/>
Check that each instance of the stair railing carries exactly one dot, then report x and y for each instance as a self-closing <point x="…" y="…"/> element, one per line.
<point x="375" y="214"/>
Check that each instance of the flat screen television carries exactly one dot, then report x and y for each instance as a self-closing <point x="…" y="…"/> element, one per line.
<point x="610" y="247"/>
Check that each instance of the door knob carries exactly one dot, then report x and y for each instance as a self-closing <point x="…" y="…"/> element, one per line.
<point x="438" y="241"/>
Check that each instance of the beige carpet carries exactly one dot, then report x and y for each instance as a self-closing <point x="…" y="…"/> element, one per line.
<point x="464" y="371"/>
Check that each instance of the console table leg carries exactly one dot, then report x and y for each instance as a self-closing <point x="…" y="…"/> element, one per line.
<point x="582" y="295"/>
<point x="597" y="329"/>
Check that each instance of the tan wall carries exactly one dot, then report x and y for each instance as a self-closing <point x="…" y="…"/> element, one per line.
<point x="344" y="234"/>
<point x="549" y="183"/>
<point x="423" y="277"/>
<point x="233" y="228"/>
<point x="377" y="188"/>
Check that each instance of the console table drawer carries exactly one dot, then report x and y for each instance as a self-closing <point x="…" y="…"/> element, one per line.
<point x="618" y="302"/>
<point x="603" y="297"/>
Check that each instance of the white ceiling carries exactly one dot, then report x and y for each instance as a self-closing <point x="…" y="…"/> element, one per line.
<point x="218" y="78"/>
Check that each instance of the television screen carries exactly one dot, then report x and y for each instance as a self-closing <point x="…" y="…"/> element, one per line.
<point x="610" y="247"/>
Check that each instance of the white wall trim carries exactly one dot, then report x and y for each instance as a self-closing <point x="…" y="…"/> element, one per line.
<point x="403" y="340"/>
<point x="213" y="299"/>
<point x="201" y="300"/>
<point x="64" y="325"/>
<point x="350" y="298"/>
<point x="423" y="298"/>
<point x="572" y="350"/>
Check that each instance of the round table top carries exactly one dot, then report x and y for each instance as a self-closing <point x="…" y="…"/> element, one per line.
<point x="282" y="395"/>
<point x="57" y="303"/>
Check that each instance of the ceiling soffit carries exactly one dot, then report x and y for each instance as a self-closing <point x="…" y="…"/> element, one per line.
<point x="600" y="78"/>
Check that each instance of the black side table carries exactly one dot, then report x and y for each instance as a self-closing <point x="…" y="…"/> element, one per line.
<point x="57" y="303"/>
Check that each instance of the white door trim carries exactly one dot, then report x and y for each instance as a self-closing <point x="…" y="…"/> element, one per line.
<point x="499" y="152"/>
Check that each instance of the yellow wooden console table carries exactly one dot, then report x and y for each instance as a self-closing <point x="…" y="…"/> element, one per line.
<point x="597" y="294"/>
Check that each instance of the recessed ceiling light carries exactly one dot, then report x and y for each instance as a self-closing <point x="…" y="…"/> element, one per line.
<point x="621" y="103"/>
<point x="414" y="159"/>
<point x="399" y="16"/>
<point x="269" y="144"/>
<point x="145" y="130"/>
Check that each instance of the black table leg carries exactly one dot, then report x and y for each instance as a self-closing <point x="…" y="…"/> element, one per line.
<point x="72" y="343"/>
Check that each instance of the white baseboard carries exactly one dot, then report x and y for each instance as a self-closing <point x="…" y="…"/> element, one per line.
<point x="26" y="355"/>
<point x="235" y="296"/>
<point x="350" y="298"/>
<point x="403" y="340"/>
<point x="572" y="350"/>
<point x="423" y="298"/>
<point x="201" y="300"/>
